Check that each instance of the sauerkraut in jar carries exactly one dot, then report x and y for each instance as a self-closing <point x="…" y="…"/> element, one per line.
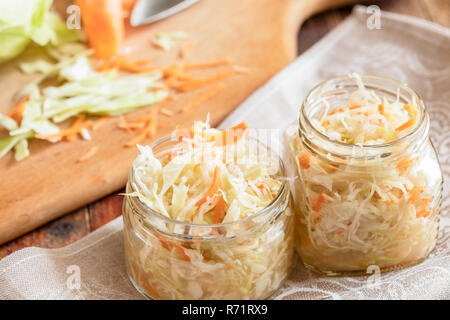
<point x="207" y="216"/>
<point x="369" y="182"/>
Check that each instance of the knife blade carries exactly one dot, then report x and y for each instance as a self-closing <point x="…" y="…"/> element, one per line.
<point x="147" y="11"/>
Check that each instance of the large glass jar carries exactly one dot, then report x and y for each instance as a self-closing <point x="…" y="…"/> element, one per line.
<point x="244" y="259"/>
<point x="363" y="205"/>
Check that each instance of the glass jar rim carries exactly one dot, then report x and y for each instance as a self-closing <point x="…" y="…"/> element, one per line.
<point x="265" y="211"/>
<point x="380" y="146"/>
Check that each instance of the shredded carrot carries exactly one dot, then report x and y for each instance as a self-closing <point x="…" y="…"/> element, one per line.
<point x="423" y="213"/>
<point x="326" y="123"/>
<point x="88" y="154"/>
<point x="405" y="163"/>
<point x="70" y="133"/>
<point x="229" y="266"/>
<point x="414" y="194"/>
<point x="180" y="249"/>
<point x="182" y="132"/>
<point x="184" y="52"/>
<point x="196" y="166"/>
<point x="232" y="135"/>
<point x="125" y="65"/>
<point x="318" y="205"/>
<point x="381" y="109"/>
<point x="202" y="82"/>
<point x="304" y="160"/>
<point x="150" y="288"/>
<point x="147" y="132"/>
<point x="19" y="109"/>
<point x="206" y="65"/>
<point x="167" y="112"/>
<point x="204" y="96"/>
<point x="356" y="106"/>
<point x="213" y="188"/>
<point x="411" y="121"/>
<point x="241" y="70"/>
<point x="219" y="210"/>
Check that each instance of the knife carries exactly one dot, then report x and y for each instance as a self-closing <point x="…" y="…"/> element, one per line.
<point x="147" y="11"/>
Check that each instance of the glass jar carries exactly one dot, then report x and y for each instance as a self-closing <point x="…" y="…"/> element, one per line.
<point x="245" y="259"/>
<point x="363" y="205"/>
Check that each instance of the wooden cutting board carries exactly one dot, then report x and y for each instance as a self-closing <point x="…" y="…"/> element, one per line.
<point x="258" y="34"/>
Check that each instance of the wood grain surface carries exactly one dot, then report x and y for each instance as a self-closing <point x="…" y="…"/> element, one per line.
<point x="79" y="223"/>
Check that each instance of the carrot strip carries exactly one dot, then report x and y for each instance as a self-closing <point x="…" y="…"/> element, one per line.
<point x="414" y="194"/>
<point x="184" y="52"/>
<point x="207" y="65"/>
<point x="204" y="96"/>
<point x="304" y="160"/>
<point x="357" y="106"/>
<point x="104" y="26"/>
<point x="150" y="288"/>
<point x="229" y="266"/>
<point x="17" y="112"/>
<point x="212" y="189"/>
<point x="180" y="250"/>
<point x="167" y="112"/>
<point x="381" y="109"/>
<point x="88" y="154"/>
<point x="318" y="205"/>
<point x="423" y="213"/>
<point x="241" y="70"/>
<point x="233" y="134"/>
<point x="202" y="82"/>
<point x="405" y="163"/>
<point x="411" y="121"/>
<point x="219" y="210"/>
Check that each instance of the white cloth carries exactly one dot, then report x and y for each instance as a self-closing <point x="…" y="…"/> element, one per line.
<point x="407" y="49"/>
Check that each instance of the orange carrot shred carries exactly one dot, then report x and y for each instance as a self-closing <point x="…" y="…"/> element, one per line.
<point x="19" y="109"/>
<point x="184" y="52"/>
<point x="304" y="160"/>
<point x="202" y="82"/>
<point x="150" y="288"/>
<point x="219" y="210"/>
<point x="356" y="106"/>
<point x="318" y="205"/>
<point x="229" y="266"/>
<point x="206" y="65"/>
<point x="381" y="109"/>
<point x="213" y="188"/>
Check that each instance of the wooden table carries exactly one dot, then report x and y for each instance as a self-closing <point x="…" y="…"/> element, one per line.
<point x="78" y="224"/>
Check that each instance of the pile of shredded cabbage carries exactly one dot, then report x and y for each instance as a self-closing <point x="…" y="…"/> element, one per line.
<point x="205" y="183"/>
<point x="82" y="91"/>
<point x="367" y="118"/>
<point x="228" y="262"/>
<point x="383" y="212"/>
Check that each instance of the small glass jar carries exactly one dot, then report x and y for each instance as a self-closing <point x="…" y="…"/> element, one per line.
<point x="245" y="259"/>
<point x="380" y="203"/>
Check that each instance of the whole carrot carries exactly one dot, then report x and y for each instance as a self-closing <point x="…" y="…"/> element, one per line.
<point x="104" y="25"/>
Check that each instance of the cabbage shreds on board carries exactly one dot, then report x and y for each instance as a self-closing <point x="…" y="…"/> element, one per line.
<point x="197" y="183"/>
<point x="83" y="91"/>
<point x="355" y="213"/>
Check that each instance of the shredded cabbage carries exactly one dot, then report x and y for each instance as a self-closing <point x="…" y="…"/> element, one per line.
<point x="356" y="213"/>
<point x="84" y="91"/>
<point x="166" y="40"/>
<point x="232" y="264"/>
<point x="30" y="20"/>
